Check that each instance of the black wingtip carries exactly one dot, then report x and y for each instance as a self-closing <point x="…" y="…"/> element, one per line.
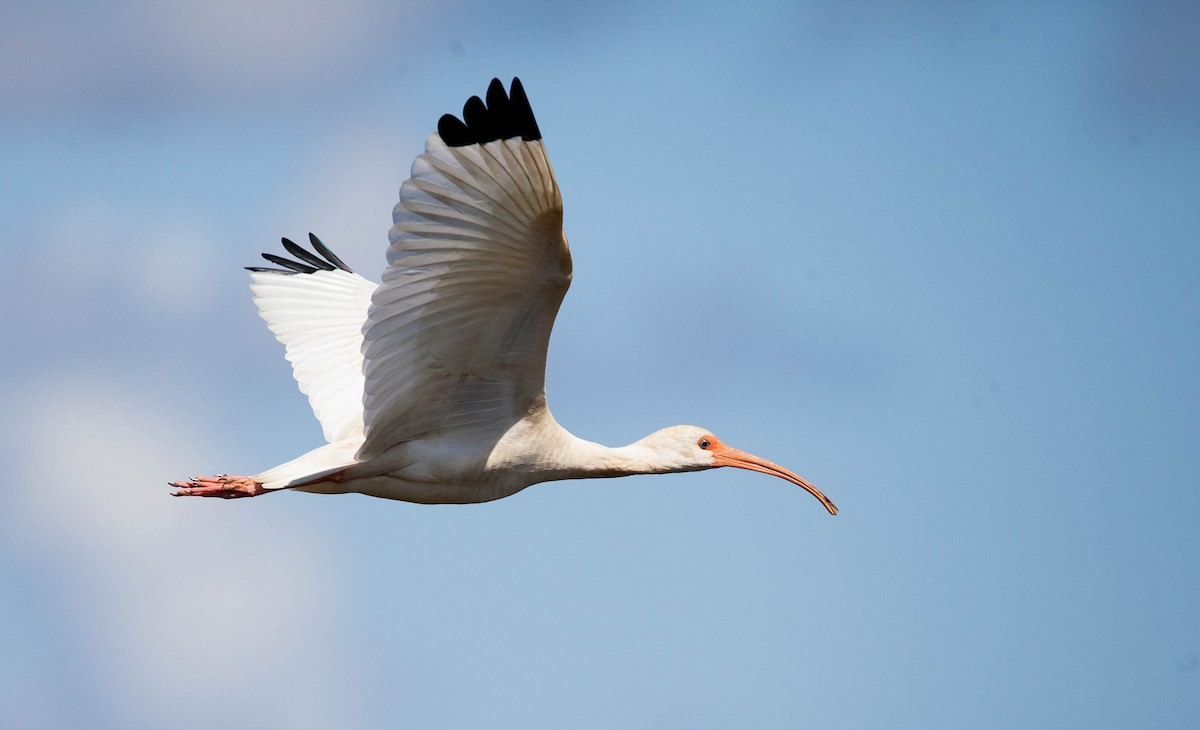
<point x="306" y="257"/>
<point x="504" y="116"/>
<point x="453" y="132"/>
<point x="330" y="256"/>
<point x="521" y="107"/>
<point x="309" y="263"/>
<point x="289" y="264"/>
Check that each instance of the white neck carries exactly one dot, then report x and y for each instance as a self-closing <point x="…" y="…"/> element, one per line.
<point x="576" y="458"/>
<point x="538" y="450"/>
<point x="590" y="459"/>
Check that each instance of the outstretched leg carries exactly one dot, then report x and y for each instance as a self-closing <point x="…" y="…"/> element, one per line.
<point x="225" y="487"/>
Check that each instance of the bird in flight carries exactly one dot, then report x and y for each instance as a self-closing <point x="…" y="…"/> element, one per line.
<point x="430" y="387"/>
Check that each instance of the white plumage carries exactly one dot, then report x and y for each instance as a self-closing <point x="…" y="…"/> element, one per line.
<point x="319" y="319"/>
<point x="430" y="386"/>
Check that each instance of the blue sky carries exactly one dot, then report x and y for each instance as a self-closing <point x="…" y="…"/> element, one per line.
<point x="939" y="258"/>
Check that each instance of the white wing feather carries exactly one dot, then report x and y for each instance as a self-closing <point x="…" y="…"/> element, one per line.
<point x="319" y="318"/>
<point x="457" y="332"/>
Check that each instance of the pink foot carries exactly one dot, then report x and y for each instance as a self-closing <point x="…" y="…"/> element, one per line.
<point x="225" y="487"/>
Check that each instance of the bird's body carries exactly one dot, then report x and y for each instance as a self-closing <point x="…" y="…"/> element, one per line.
<point x="456" y="470"/>
<point x="430" y="386"/>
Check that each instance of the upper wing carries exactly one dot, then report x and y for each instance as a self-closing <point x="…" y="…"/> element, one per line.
<point x="457" y="332"/>
<point x="316" y="307"/>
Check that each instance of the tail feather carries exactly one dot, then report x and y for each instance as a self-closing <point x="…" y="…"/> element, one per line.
<point x="318" y="465"/>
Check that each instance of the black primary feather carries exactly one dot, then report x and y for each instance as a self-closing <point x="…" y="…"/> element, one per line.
<point x="504" y="116"/>
<point x="329" y="255"/>
<point x="288" y="263"/>
<point x="306" y="257"/>
<point x="322" y="260"/>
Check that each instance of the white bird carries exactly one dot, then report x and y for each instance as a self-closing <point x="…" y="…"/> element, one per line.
<point x="430" y="387"/>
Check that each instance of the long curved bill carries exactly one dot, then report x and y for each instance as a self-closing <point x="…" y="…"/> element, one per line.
<point x="728" y="456"/>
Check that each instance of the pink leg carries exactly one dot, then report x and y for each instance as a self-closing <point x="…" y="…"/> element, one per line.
<point x="225" y="487"/>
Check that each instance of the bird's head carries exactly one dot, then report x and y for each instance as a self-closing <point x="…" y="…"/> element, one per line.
<point x="691" y="448"/>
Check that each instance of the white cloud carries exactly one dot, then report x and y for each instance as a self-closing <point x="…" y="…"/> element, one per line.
<point x="252" y="41"/>
<point x="349" y="191"/>
<point x="30" y="703"/>
<point x="175" y="594"/>
<point x="67" y="53"/>
<point x="77" y="245"/>
<point x="172" y="265"/>
<point x="153" y="248"/>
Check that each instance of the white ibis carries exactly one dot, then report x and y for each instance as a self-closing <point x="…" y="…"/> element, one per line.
<point x="430" y="387"/>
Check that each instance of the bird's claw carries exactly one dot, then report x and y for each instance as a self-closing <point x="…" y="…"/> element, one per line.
<point x="223" y="486"/>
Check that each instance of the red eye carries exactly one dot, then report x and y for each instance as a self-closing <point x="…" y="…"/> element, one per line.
<point x="704" y="443"/>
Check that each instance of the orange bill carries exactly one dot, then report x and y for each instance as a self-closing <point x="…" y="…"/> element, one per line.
<point x="728" y="456"/>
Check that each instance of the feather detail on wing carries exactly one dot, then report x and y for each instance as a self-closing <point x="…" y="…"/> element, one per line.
<point x="457" y="332"/>
<point x="316" y="307"/>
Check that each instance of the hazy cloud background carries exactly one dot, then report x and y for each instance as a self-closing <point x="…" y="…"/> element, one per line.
<point x="939" y="258"/>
